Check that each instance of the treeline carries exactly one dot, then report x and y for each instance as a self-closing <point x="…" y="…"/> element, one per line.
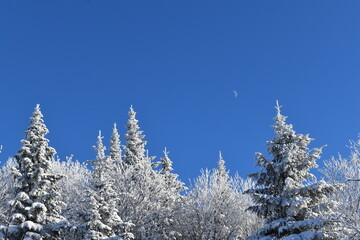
<point x="128" y="194"/>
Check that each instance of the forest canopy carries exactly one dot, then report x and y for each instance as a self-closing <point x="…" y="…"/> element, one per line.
<point x="124" y="193"/>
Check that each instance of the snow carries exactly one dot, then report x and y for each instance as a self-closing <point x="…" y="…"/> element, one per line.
<point x="18" y="217"/>
<point x="31" y="226"/>
<point x="308" y="235"/>
<point x="32" y="236"/>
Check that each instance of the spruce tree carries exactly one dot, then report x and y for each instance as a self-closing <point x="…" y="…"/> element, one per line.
<point x="103" y="166"/>
<point x="290" y="204"/>
<point x="222" y="174"/>
<point x="115" y="149"/>
<point x="135" y="153"/>
<point x="141" y="189"/>
<point x="172" y="183"/>
<point x="36" y="207"/>
<point x="103" y="219"/>
<point x="169" y="213"/>
<point x="166" y="163"/>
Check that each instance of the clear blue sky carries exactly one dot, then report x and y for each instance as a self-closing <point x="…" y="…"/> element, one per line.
<point x="177" y="63"/>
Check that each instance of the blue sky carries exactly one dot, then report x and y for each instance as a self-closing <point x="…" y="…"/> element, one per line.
<point x="178" y="63"/>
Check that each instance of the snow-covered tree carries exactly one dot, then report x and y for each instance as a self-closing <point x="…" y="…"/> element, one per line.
<point x="291" y="205"/>
<point x="72" y="187"/>
<point x="135" y="153"/>
<point x="115" y="149"/>
<point x="143" y="197"/>
<point x="166" y="163"/>
<point x="216" y="208"/>
<point x="103" y="219"/>
<point x="36" y="207"/>
<point x="172" y="183"/>
<point x="221" y="169"/>
<point x="145" y="201"/>
<point x="346" y="173"/>
<point x="103" y="166"/>
<point x="7" y="185"/>
<point x="169" y="214"/>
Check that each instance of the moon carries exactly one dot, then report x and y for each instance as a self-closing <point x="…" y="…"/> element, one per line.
<point x="235" y="93"/>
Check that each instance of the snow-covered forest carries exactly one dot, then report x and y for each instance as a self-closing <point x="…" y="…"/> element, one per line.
<point x="125" y="193"/>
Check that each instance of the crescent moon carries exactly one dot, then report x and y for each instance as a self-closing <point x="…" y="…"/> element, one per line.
<point x="235" y="94"/>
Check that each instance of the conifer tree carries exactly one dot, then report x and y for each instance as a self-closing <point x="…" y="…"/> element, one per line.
<point x="103" y="219"/>
<point x="291" y="206"/>
<point x="169" y="213"/>
<point x="36" y="207"/>
<point x="115" y="149"/>
<point x="103" y="166"/>
<point x="142" y="196"/>
<point x="221" y="172"/>
<point x="135" y="153"/>
<point x="166" y="163"/>
<point x="172" y="184"/>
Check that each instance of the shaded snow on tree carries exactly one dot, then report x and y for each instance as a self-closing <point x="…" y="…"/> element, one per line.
<point x="36" y="207"/>
<point x="291" y="205"/>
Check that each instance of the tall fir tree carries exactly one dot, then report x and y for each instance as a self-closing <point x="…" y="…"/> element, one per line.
<point x="172" y="183"/>
<point x="103" y="166"/>
<point x="143" y="198"/>
<point x="115" y="146"/>
<point x="222" y="174"/>
<point x="166" y="163"/>
<point x="290" y="204"/>
<point x="169" y="213"/>
<point x="36" y="207"/>
<point x="135" y="153"/>
<point x="103" y="219"/>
